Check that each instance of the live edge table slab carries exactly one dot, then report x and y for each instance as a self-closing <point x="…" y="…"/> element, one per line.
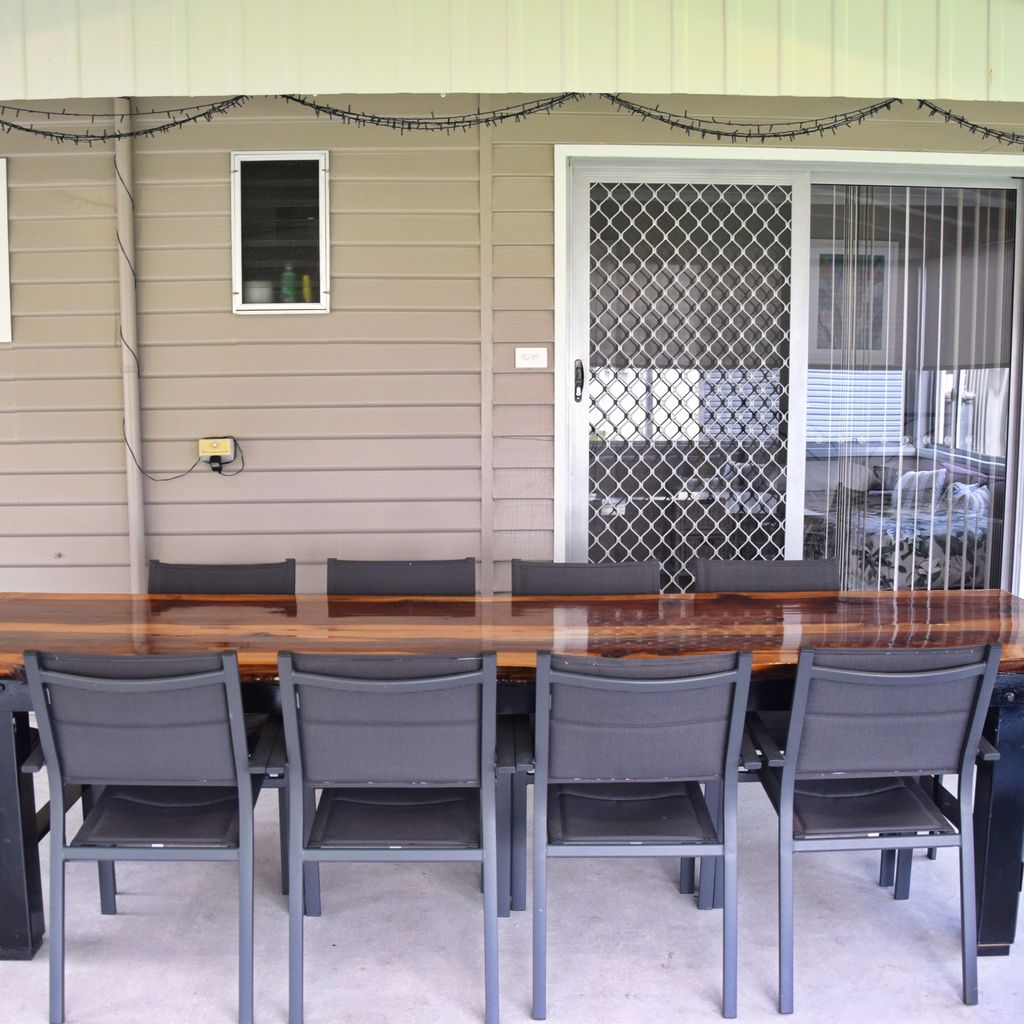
<point x="773" y="626"/>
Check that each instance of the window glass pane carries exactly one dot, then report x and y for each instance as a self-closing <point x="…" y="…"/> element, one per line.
<point x="280" y="230"/>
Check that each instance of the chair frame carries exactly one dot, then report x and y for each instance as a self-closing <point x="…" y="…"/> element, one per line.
<point x="62" y="854"/>
<point x="781" y="790"/>
<point x="724" y="787"/>
<point x="609" y="570"/>
<point x="301" y="808"/>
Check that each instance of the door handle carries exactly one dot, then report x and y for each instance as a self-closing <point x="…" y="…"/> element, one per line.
<point x="577" y="393"/>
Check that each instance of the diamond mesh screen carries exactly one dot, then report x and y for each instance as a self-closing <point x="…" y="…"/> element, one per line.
<point x="689" y="360"/>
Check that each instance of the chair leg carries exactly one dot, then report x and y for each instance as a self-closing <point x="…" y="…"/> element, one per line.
<point x="295" y="926"/>
<point x="311" y="869"/>
<point x="904" y="863"/>
<point x="729" y="934"/>
<point x="104" y="868"/>
<point x="245" y="932"/>
<point x="57" y="869"/>
<point x="709" y="887"/>
<point x="519" y="854"/>
<point x="503" y="854"/>
<point x="282" y="831"/>
<point x="540" y="929"/>
<point x="785" y="926"/>
<point x="687" y="875"/>
<point x="887" y="868"/>
<point x="491" y="889"/>
<point x="968" y="913"/>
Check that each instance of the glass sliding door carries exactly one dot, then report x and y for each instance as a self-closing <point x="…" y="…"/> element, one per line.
<point x="908" y="397"/>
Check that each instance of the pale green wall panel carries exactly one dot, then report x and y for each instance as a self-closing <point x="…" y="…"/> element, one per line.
<point x="215" y="46"/>
<point x="751" y="47"/>
<point x="12" y="49"/>
<point x="859" y="38"/>
<point x="1006" y="33"/>
<point x="422" y="46"/>
<point x="270" y="43"/>
<point x="945" y="49"/>
<point x="479" y="53"/>
<point x="963" y="50"/>
<point x="645" y="45"/>
<point x="535" y="34"/>
<point x="106" y="44"/>
<point x="322" y="29"/>
<point x="698" y="44"/>
<point x="591" y="45"/>
<point x="805" y="47"/>
<point x="161" y="49"/>
<point x="911" y="40"/>
<point x="51" y="48"/>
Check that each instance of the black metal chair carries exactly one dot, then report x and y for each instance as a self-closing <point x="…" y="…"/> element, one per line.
<point x="723" y="576"/>
<point x="848" y="784"/>
<point x="161" y="739"/>
<point x="449" y="577"/>
<point x="622" y="747"/>
<point x="403" y="752"/>
<point x="541" y="579"/>
<point x="238" y="578"/>
<point x="265" y="578"/>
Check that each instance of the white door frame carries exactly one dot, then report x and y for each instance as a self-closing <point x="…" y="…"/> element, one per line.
<point x="574" y="165"/>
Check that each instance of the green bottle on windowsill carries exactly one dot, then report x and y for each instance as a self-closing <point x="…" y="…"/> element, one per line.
<point x="289" y="290"/>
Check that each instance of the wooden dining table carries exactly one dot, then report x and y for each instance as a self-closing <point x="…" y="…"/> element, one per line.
<point x="774" y="627"/>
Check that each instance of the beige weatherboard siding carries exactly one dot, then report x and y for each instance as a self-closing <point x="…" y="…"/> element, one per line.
<point x="955" y="49"/>
<point x="394" y="425"/>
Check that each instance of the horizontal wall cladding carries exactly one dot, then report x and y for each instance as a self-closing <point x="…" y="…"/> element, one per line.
<point x="361" y="429"/>
<point x="965" y="49"/>
<point x="63" y="523"/>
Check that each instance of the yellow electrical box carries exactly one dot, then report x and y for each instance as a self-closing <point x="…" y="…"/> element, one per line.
<point x="222" y="448"/>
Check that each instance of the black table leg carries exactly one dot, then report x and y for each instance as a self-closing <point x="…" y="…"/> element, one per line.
<point x="999" y="822"/>
<point x="21" y="897"/>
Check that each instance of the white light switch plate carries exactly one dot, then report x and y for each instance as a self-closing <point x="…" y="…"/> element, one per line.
<point x="531" y="358"/>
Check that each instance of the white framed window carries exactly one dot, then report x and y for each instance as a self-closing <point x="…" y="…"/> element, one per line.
<point x="279" y="221"/>
<point x="5" y="260"/>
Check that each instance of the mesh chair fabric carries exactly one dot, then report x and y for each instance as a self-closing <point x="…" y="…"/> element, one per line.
<point x="454" y="577"/>
<point x="193" y="816"/>
<point x="421" y="818"/>
<point x="198" y="578"/>
<point x="538" y="579"/>
<point x="618" y="813"/>
<point x="641" y="733"/>
<point x="884" y="724"/>
<point x="725" y="576"/>
<point x="861" y="807"/>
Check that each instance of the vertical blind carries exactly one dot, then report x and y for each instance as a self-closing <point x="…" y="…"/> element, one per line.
<point x="908" y="384"/>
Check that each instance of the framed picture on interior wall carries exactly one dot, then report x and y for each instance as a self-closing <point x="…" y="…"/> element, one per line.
<point x="854" y="298"/>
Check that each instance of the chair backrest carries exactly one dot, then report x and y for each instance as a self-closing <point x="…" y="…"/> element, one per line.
<point x="389" y="720"/>
<point x="254" y="578"/>
<point x="713" y="575"/>
<point x="870" y="712"/>
<point x="538" y="579"/>
<point x="448" y="577"/>
<point x="643" y="719"/>
<point x="140" y="719"/>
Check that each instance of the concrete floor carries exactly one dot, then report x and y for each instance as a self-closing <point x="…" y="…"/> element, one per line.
<point x="403" y="943"/>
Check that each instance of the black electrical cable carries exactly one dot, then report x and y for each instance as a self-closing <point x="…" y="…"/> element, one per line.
<point x="150" y="476"/>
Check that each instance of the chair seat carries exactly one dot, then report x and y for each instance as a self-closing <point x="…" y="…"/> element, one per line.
<point x="188" y="816"/>
<point x="628" y="812"/>
<point x="861" y="807"/>
<point x="443" y="818"/>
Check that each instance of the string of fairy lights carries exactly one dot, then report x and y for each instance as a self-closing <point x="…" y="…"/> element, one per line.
<point x="104" y="127"/>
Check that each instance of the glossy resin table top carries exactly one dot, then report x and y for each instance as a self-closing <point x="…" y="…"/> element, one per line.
<point x="773" y="626"/>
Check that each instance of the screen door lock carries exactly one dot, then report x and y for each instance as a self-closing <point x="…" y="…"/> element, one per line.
<point x="577" y="393"/>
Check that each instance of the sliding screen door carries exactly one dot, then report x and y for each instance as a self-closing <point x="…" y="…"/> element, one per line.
<point x="908" y="407"/>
